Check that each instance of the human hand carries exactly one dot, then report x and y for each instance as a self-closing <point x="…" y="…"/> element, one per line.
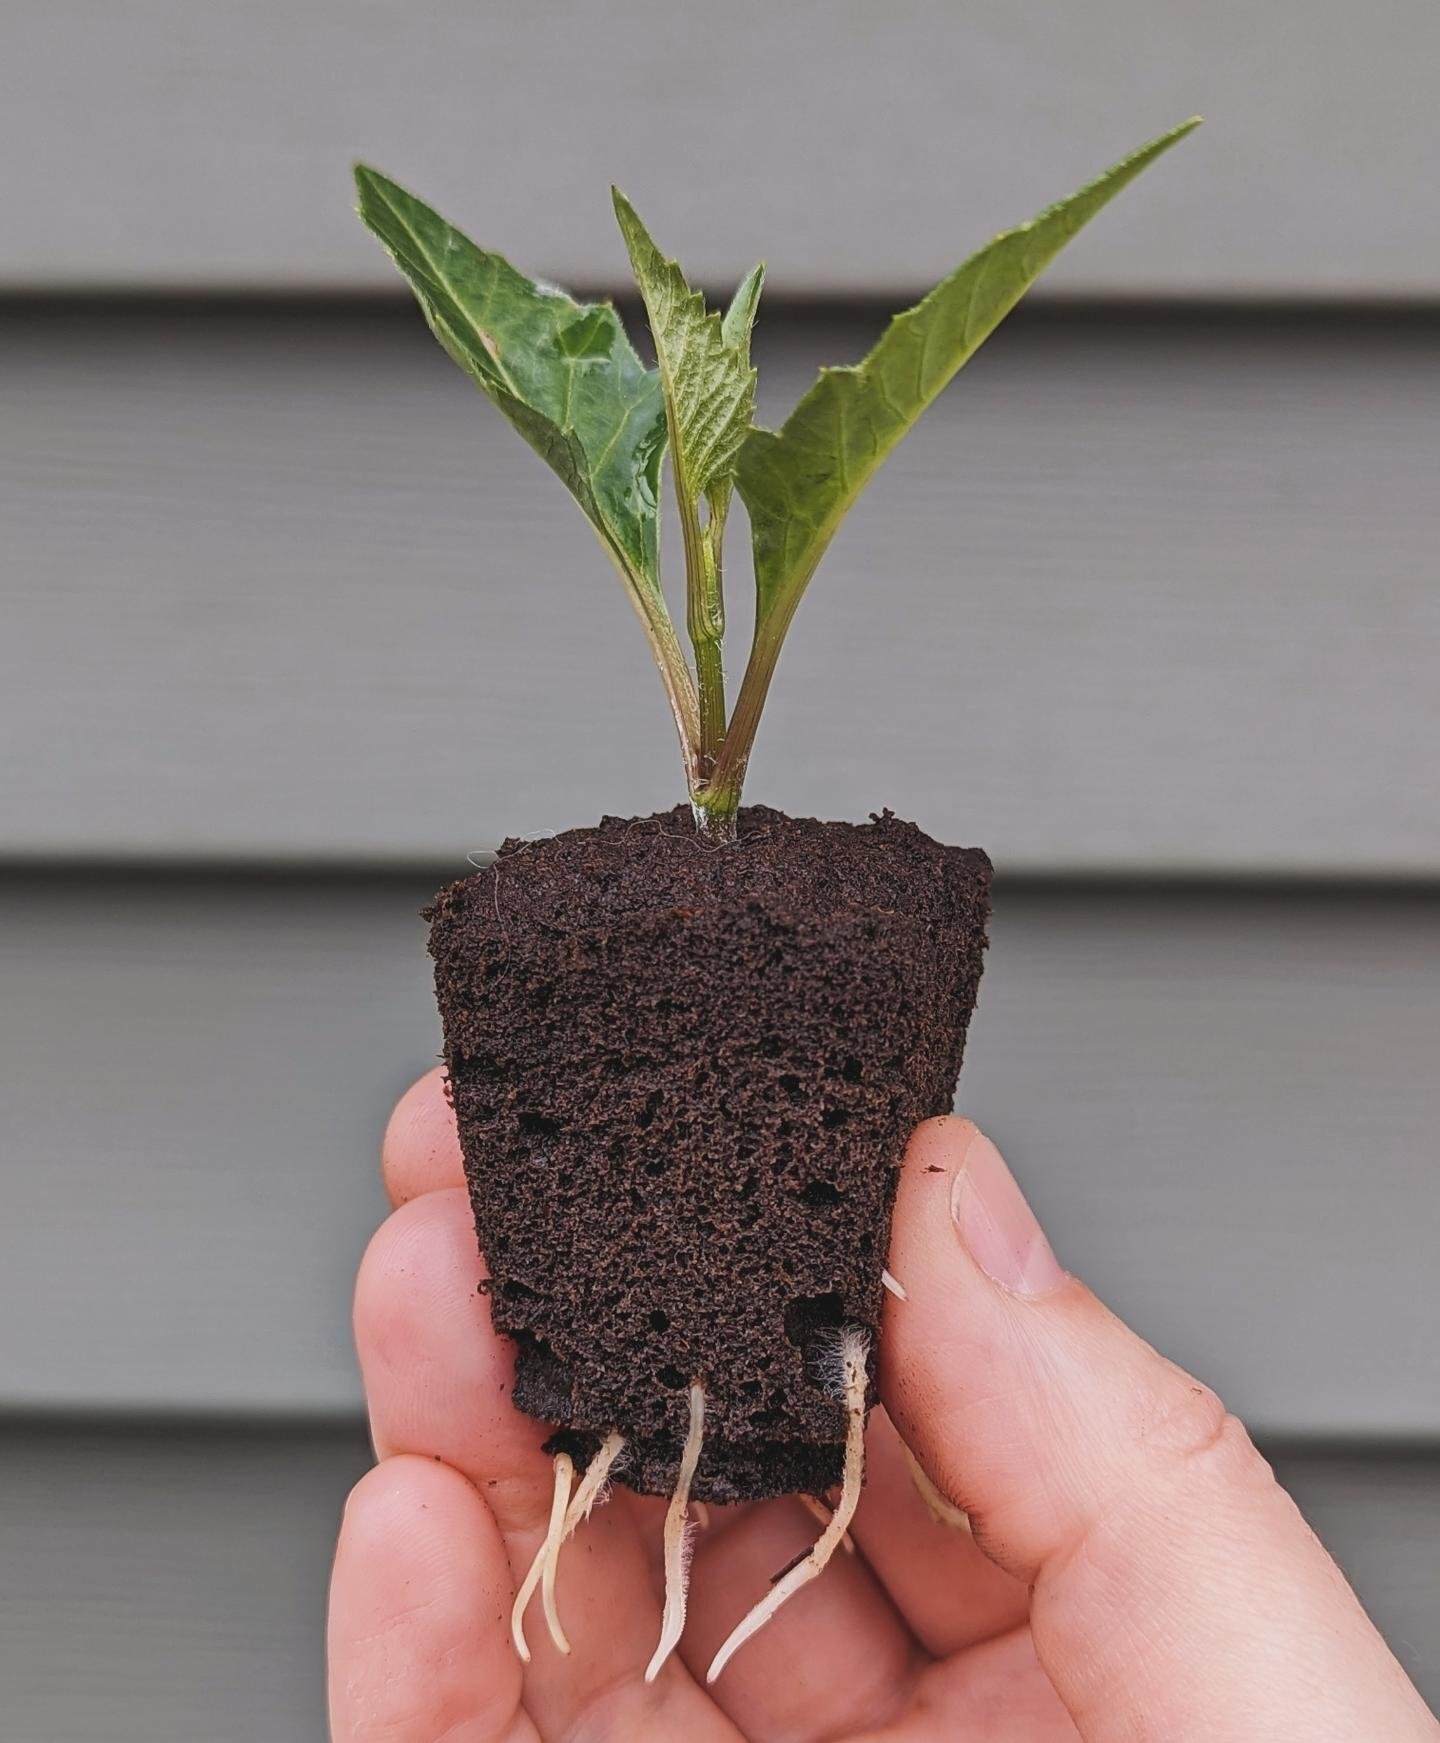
<point x="1134" y="1571"/>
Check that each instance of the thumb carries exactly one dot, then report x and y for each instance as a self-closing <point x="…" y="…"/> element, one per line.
<point x="1177" y="1592"/>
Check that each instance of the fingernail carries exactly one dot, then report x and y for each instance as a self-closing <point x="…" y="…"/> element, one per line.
<point x="998" y="1227"/>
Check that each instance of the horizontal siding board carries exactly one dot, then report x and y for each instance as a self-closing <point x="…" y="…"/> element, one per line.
<point x="161" y="1589"/>
<point x="1142" y="594"/>
<point x="1224" y="1106"/>
<point x="864" y="148"/>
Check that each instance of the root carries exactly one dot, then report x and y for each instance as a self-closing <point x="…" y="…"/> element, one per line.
<point x="895" y="1286"/>
<point x="573" y="1511"/>
<point x="677" y="1538"/>
<point x="853" y="1352"/>
<point x="592" y="1484"/>
<point x="542" y="1570"/>
<point x="702" y="1515"/>
<point x="943" y="1512"/>
<point x="818" y="1510"/>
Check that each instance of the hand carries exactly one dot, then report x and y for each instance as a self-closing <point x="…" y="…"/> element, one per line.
<point x="1134" y="1573"/>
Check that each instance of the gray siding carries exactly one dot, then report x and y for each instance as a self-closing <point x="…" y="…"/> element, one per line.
<point x="864" y="147"/>
<point x="1225" y="1106"/>
<point x="1140" y="595"/>
<point x="291" y="622"/>
<point x="171" y="1588"/>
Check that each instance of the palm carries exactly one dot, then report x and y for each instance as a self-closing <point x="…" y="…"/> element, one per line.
<point x="915" y="1636"/>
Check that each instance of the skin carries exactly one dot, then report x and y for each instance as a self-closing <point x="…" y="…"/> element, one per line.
<point x="1134" y="1572"/>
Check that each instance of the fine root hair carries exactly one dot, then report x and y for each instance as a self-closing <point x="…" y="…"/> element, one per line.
<point x="853" y="1351"/>
<point x="541" y="1571"/>
<point x="677" y="1538"/>
<point x="941" y="1510"/>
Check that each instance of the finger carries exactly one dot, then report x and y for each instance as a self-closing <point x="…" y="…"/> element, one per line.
<point x="421" y="1148"/>
<point x="438" y="1380"/>
<point x="1177" y="1591"/>
<point x="996" y="1691"/>
<point x="418" y="1639"/>
<point x="939" y="1579"/>
<point x="836" y="1659"/>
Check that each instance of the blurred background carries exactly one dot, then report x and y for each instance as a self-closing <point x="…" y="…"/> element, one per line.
<point x="1148" y="606"/>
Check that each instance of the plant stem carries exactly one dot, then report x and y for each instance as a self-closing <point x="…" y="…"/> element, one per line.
<point x="710" y="671"/>
<point x="727" y="777"/>
<point x="715" y="822"/>
<point x="705" y="620"/>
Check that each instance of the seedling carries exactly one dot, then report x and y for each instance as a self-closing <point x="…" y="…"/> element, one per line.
<point x="832" y="969"/>
<point x="567" y="377"/>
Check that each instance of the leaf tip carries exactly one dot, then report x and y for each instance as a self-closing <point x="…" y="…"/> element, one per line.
<point x="1176" y="134"/>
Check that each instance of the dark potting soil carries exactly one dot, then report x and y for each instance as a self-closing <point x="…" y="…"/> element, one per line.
<point x="684" y="1077"/>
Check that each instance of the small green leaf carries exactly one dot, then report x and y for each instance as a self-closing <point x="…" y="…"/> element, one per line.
<point x="798" y="482"/>
<point x="563" y="372"/>
<point x="739" y="319"/>
<point x="737" y="324"/>
<point x="709" y="402"/>
<point x="709" y="384"/>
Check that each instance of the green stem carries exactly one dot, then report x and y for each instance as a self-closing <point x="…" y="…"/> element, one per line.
<point x="714" y="815"/>
<point x="727" y="777"/>
<point x="705" y="620"/>
<point x="710" y="671"/>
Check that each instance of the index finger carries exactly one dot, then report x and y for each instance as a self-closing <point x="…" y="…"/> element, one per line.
<point x="421" y="1148"/>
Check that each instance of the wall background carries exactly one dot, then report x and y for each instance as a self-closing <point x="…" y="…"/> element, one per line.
<point x="1148" y="606"/>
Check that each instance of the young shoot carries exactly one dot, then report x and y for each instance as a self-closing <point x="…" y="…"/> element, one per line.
<point x="567" y="377"/>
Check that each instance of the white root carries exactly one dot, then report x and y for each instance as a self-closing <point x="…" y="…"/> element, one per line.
<point x="677" y="1538"/>
<point x="818" y="1510"/>
<point x="547" y="1558"/>
<point x="592" y="1484"/>
<point x="542" y="1570"/>
<point x="895" y="1286"/>
<point x="853" y="1352"/>
<point x="942" y="1511"/>
<point x="702" y="1515"/>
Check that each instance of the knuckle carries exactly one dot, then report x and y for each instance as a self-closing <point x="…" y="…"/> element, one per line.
<point x="1190" y="1437"/>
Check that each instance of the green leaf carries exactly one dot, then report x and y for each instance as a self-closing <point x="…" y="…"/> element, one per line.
<point x="709" y="402"/>
<point x="739" y="319"/>
<point x="736" y="325"/>
<point x="798" y="482"/>
<point x="563" y="372"/>
<point x="708" y="382"/>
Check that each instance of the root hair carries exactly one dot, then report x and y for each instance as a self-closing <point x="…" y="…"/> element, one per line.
<point x="941" y="1510"/>
<point x="677" y="1538"/>
<point x="541" y="1571"/>
<point x="853" y="1352"/>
